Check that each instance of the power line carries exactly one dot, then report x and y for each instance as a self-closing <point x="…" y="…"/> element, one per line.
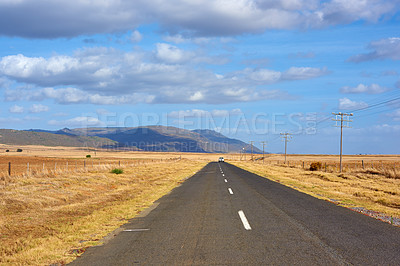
<point x="377" y="104"/>
<point x="372" y="105"/>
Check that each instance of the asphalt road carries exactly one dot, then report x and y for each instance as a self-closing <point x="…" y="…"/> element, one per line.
<point x="224" y="215"/>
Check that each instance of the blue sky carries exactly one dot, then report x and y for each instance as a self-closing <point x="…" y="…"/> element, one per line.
<point x="249" y="69"/>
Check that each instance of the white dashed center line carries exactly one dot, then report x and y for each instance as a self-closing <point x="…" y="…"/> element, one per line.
<point x="226" y="181"/>
<point x="230" y="191"/>
<point x="136" y="230"/>
<point x="244" y="220"/>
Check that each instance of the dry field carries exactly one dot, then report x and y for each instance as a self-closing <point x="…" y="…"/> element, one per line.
<point x="76" y="152"/>
<point x="53" y="217"/>
<point x="42" y="159"/>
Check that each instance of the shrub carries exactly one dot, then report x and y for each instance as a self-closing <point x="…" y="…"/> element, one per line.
<point x="315" y="166"/>
<point x="117" y="171"/>
<point x="7" y="150"/>
<point x="88" y="156"/>
<point x="19" y="150"/>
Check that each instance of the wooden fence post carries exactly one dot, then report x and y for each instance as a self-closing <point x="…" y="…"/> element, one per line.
<point x="362" y="162"/>
<point x="325" y="167"/>
<point x="27" y="168"/>
<point x="9" y="168"/>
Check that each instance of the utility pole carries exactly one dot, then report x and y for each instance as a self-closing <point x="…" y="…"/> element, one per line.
<point x="286" y="137"/>
<point x="341" y="117"/>
<point x="263" y="144"/>
<point x="251" y="143"/>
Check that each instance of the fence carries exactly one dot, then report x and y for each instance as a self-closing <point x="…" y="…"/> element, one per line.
<point x="17" y="168"/>
<point x="332" y="167"/>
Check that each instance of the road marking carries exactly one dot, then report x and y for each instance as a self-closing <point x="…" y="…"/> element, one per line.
<point x="136" y="230"/>
<point x="244" y="220"/>
<point x="223" y="175"/>
<point x="230" y="191"/>
<point x="226" y="181"/>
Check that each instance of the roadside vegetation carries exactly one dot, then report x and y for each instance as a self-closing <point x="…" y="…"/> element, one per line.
<point x="371" y="189"/>
<point x="53" y="217"/>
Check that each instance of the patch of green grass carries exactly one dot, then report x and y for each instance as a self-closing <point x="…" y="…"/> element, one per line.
<point x="117" y="171"/>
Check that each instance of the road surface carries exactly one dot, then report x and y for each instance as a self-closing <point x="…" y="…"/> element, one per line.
<point x="225" y="215"/>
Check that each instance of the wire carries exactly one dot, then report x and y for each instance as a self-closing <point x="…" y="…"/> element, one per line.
<point x="377" y="104"/>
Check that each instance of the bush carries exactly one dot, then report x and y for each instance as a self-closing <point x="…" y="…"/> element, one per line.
<point x="315" y="166"/>
<point x="88" y="156"/>
<point x="117" y="171"/>
<point x="19" y="150"/>
<point x="7" y="150"/>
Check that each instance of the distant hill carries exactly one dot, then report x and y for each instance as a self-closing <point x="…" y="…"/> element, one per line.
<point x="162" y="138"/>
<point x="30" y="137"/>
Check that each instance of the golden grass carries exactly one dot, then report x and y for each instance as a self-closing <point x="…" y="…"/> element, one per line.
<point x="370" y="189"/>
<point x="77" y="152"/>
<point x="54" y="217"/>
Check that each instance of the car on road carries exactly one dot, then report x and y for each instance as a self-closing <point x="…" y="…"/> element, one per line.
<point x="221" y="159"/>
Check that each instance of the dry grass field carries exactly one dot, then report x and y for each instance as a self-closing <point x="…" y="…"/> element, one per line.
<point x="39" y="159"/>
<point x="53" y="217"/>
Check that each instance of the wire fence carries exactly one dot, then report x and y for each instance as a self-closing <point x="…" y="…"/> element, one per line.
<point x="15" y="169"/>
<point x="390" y="168"/>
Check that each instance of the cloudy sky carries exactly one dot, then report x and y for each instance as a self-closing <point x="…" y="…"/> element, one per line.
<point x="249" y="69"/>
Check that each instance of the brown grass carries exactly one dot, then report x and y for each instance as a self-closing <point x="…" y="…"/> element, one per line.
<point x="372" y="189"/>
<point x="54" y="217"/>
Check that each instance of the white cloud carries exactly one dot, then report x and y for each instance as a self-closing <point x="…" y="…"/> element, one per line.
<point x="172" y="54"/>
<point x="188" y="113"/>
<point x="361" y="88"/>
<point x="347" y="104"/>
<point x="195" y="18"/>
<point x="204" y="113"/>
<point x="38" y="108"/>
<point x="108" y="76"/>
<point x="81" y="121"/>
<point x="16" y="109"/>
<point x="383" y="49"/>
<point x="136" y="36"/>
<point x="385" y="128"/>
<point x="75" y="96"/>
<point x="395" y="115"/>
<point x="346" y="11"/>
<point x="265" y="75"/>
<point x="178" y="39"/>
<point x="196" y="97"/>
<point x="300" y="73"/>
<point x="268" y="76"/>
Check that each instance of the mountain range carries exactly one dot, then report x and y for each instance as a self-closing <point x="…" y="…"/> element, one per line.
<point x="148" y="138"/>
